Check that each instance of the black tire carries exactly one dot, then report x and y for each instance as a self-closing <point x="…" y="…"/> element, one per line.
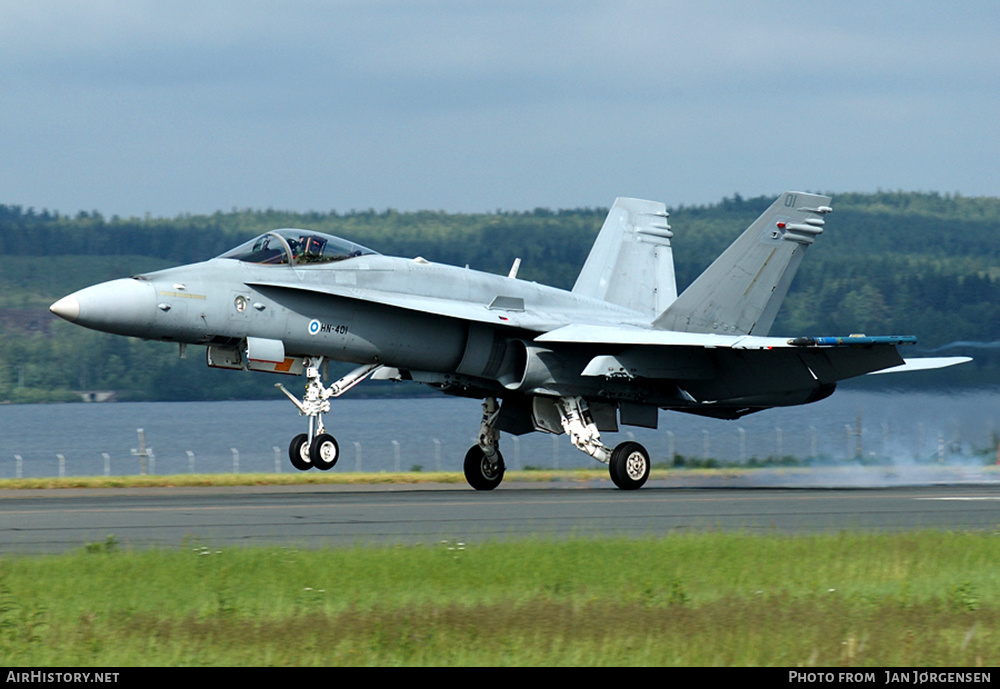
<point x="629" y="466"/>
<point x="324" y="451"/>
<point x="480" y="472"/>
<point x="298" y="452"/>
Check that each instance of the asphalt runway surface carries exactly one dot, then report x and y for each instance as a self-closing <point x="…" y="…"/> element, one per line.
<point x="60" y="520"/>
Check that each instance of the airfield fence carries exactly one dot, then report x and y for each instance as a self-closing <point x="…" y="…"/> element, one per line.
<point x="692" y="449"/>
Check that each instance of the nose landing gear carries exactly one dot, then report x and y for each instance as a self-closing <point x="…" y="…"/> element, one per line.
<point x="317" y="448"/>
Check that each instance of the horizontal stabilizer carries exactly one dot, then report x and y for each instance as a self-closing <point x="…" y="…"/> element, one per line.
<point x="926" y="364"/>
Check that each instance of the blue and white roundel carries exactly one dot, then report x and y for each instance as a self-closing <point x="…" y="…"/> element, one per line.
<point x="313" y="326"/>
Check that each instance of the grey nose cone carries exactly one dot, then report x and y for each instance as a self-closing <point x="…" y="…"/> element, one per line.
<point x="67" y="308"/>
<point x="124" y="307"/>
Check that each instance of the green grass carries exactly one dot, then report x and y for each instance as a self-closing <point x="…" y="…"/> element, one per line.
<point x="915" y="599"/>
<point x="403" y="477"/>
<point x="288" y="479"/>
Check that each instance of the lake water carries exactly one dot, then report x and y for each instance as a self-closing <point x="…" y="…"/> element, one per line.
<point x="435" y="432"/>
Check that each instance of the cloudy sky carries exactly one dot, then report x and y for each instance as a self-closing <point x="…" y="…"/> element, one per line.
<point x="132" y="107"/>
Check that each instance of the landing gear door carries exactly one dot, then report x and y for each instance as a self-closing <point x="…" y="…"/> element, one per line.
<point x="269" y="355"/>
<point x="545" y="415"/>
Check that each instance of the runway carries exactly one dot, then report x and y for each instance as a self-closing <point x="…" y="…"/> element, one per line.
<point x="52" y="521"/>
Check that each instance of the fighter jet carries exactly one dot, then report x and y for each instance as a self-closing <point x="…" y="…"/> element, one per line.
<point x="618" y="347"/>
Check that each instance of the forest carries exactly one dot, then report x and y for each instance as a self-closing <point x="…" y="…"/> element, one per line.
<point x="891" y="263"/>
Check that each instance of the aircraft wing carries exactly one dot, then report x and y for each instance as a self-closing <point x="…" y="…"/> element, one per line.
<point x="623" y="335"/>
<point x="645" y="353"/>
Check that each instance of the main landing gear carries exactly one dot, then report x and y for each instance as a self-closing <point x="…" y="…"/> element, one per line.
<point x="484" y="465"/>
<point x="628" y="463"/>
<point x="317" y="448"/>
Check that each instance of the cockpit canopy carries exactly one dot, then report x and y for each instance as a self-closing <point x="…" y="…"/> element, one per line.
<point x="296" y="247"/>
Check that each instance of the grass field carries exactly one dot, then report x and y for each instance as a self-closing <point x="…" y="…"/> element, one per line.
<point x="917" y="599"/>
<point x="304" y="478"/>
<point x="445" y="477"/>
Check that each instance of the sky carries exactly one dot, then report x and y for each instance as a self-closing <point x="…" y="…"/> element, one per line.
<point x="137" y="107"/>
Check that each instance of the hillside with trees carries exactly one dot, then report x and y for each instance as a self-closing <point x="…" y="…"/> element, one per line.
<point x="921" y="264"/>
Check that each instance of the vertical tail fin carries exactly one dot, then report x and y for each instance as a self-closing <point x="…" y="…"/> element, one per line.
<point x="741" y="292"/>
<point x="631" y="263"/>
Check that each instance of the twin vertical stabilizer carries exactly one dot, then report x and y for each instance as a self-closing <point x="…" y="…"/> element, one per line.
<point x="741" y="292"/>
<point x="631" y="263"/>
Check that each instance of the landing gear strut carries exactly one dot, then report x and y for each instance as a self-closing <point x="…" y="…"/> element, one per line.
<point x="317" y="448"/>
<point x="484" y="465"/>
<point x="628" y="463"/>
